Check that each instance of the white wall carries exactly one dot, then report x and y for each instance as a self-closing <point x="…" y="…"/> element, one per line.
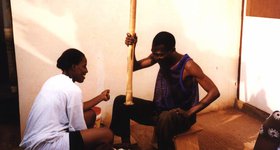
<point x="260" y="59"/>
<point x="209" y="31"/>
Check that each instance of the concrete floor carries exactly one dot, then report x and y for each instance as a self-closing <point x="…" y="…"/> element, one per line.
<point x="229" y="129"/>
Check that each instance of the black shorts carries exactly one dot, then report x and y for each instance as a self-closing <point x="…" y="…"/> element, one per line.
<point x="76" y="140"/>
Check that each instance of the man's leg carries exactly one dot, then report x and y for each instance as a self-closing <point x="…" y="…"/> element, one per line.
<point x="120" y="123"/>
<point x="97" y="138"/>
<point x="142" y="111"/>
<point x="90" y="117"/>
<point x="169" y="125"/>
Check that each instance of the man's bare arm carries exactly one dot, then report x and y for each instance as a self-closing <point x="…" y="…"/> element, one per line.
<point x="193" y="69"/>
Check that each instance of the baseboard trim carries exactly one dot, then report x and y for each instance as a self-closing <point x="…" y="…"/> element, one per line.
<point x="251" y="110"/>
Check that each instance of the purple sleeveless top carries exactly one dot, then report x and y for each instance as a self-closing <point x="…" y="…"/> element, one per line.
<point x="170" y="91"/>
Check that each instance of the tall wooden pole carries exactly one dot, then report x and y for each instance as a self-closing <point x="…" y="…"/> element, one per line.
<point x="130" y="57"/>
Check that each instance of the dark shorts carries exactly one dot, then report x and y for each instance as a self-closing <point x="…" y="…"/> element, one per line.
<point x="76" y="140"/>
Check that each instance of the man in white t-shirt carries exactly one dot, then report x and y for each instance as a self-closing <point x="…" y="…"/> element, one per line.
<point x="59" y="120"/>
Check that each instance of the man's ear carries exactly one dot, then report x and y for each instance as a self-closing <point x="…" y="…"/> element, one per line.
<point x="73" y="67"/>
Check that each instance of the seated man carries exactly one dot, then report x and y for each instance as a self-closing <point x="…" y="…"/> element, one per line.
<point x="269" y="136"/>
<point x="176" y="98"/>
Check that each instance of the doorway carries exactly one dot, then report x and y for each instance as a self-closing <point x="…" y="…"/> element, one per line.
<point x="9" y="108"/>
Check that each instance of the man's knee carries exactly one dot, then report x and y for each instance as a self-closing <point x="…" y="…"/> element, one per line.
<point x="109" y="136"/>
<point x="165" y="117"/>
<point x="172" y="123"/>
<point x="90" y="117"/>
<point x="119" y="100"/>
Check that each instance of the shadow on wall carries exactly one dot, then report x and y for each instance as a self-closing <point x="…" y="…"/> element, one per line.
<point x="260" y="97"/>
<point x="257" y="99"/>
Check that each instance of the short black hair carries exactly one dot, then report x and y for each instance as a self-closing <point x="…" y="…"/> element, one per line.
<point x="165" y="38"/>
<point x="68" y="58"/>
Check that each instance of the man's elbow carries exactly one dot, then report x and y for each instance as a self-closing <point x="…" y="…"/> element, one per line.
<point x="216" y="94"/>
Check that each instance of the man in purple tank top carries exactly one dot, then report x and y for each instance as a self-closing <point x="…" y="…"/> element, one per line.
<point x="176" y="98"/>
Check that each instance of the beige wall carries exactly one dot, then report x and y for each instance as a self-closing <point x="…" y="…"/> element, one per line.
<point x="209" y="31"/>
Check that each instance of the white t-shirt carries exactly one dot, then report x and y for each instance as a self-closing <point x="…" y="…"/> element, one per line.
<point x="57" y="108"/>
